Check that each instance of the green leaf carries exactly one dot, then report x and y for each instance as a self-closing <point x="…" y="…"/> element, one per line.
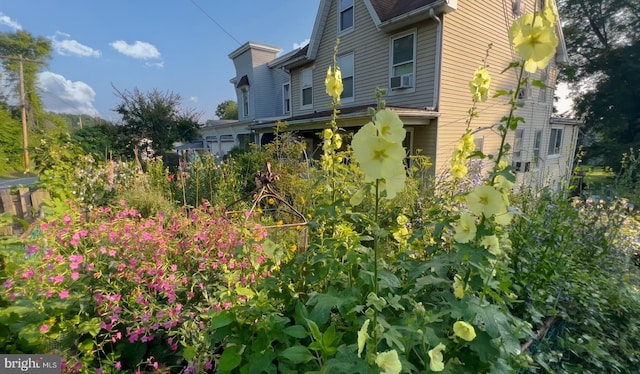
<point x="222" y="319"/>
<point x="538" y="83"/>
<point x="230" y="359"/>
<point x="388" y="279"/>
<point x="244" y="291"/>
<point x="499" y="93"/>
<point x="189" y="353"/>
<point x="315" y="331"/>
<point x="297" y="354"/>
<point x="296" y="331"/>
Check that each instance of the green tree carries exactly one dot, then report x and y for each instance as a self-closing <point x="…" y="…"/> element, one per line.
<point x="37" y="50"/>
<point x="227" y="109"/>
<point x="603" y="42"/>
<point x="157" y="116"/>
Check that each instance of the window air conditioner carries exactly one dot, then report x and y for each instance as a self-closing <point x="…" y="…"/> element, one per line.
<point x="401" y="81"/>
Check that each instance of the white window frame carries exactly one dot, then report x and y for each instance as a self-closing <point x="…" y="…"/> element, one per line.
<point x="302" y="88"/>
<point x="554" y="139"/>
<point x="392" y="65"/>
<point x="286" y="98"/>
<point x="537" y="148"/>
<point x="518" y="140"/>
<point x="544" y="78"/>
<point x="244" y="93"/>
<point x="349" y="99"/>
<point x="344" y="8"/>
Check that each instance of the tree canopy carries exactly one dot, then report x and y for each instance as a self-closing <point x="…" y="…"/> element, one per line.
<point x="227" y="109"/>
<point x="603" y="42"/>
<point x="157" y="116"/>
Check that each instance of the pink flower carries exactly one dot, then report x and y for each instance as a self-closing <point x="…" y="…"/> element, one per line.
<point x="99" y="371"/>
<point x="63" y="294"/>
<point x="75" y="275"/>
<point x="44" y="328"/>
<point x="118" y="365"/>
<point x="31" y="250"/>
<point x="66" y="219"/>
<point x="58" y="279"/>
<point x="112" y="253"/>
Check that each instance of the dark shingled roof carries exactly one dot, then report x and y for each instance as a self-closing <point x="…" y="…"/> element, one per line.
<point x="389" y="9"/>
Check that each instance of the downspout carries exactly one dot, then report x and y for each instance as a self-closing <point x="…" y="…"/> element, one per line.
<point x="436" y="83"/>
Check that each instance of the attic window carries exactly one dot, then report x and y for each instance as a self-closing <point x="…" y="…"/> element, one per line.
<point x="345" y="17"/>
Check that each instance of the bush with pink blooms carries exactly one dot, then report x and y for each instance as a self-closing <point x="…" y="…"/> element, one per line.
<point x="126" y="292"/>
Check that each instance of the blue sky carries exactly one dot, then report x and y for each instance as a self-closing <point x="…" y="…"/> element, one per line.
<point x="169" y="45"/>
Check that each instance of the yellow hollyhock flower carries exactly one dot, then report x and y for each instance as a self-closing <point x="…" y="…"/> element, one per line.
<point x="458" y="286"/>
<point x="363" y="336"/>
<point x="327" y="134"/>
<point x="389" y="362"/>
<point x="389" y="126"/>
<point x="535" y="41"/>
<point x="480" y="84"/>
<point x="485" y="200"/>
<point x="402" y="219"/>
<point x="337" y="140"/>
<point x="503" y="183"/>
<point x="468" y="145"/>
<point x="504" y="218"/>
<point x="492" y="244"/>
<point x="549" y="12"/>
<point x="465" y="228"/>
<point x="464" y="331"/>
<point x="436" y="358"/>
<point x="333" y="83"/>
<point x="459" y="170"/>
<point x="394" y="180"/>
<point x="377" y="157"/>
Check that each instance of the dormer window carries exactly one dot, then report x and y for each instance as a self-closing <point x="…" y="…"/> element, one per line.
<point x="245" y="101"/>
<point x="243" y="86"/>
<point x="345" y="17"/>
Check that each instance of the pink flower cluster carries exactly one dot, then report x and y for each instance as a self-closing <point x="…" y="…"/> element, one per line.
<point x="144" y="277"/>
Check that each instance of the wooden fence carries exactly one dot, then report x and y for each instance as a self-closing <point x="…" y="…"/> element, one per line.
<point x="24" y="204"/>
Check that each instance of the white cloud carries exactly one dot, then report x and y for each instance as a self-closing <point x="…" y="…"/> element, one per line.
<point x="158" y="65"/>
<point x="68" y="46"/>
<point x="7" y="21"/>
<point x="139" y="50"/>
<point x="61" y="95"/>
<point x="301" y="44"/>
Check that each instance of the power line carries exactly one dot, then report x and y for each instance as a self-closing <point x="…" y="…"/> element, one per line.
<point x="214" y="21"/>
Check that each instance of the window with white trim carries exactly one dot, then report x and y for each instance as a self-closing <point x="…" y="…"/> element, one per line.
<point x="306" y="88"/>
<point x="544" y="78"/>
<point x="346" y="64"/>
<point x="346" y="15"/>
<point x="555" y="142"/>
<point x="245" y="102"/>
<point x="517" y="144"/>
<point x="537" y="148"/>
<point x="286" y="98"/>
<point x="403" y="57"/>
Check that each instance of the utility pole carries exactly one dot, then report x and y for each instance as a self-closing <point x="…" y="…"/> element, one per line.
<point x="23" y="105"/>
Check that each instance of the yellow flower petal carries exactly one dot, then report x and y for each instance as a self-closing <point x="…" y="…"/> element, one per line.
<point x="458" y="286"/>
<point x="436" y="358"/>
<point x="363" y="336"/>
<point x="389" y="362"/>
<point x="377" y="157"/>
<point x="485" y="200"/>
<point x="389" y="126"/>
<point x="465" y="228"/>
<point x="535" y="40"/>
<point x="492" y="244"/>
<point x="480" y="84"/>
<point x="464" y="331"/>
